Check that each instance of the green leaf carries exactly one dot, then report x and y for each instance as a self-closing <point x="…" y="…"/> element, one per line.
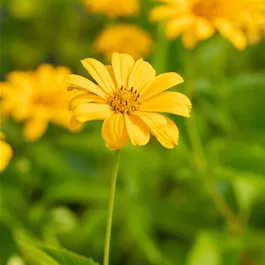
<point x="66" y="257"/>
<point x="205" y="251"/>
<point x="247" y="190"/>
<point x="35" y="256"/>
<point x="51" y="256"/>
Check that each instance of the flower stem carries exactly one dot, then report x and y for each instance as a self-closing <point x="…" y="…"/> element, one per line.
<point x="110" y="208"/>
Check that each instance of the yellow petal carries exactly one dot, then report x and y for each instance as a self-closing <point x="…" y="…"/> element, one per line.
<point x="100" y="74"/>
<point x="83" y="83"/>
<point x="189" y="38"/>
<point x="176" y="26"/>
<point x="204" y="29"/>
<point x="162" y="12"/>
<point x="5" y="154"/>
<point x="114" y="132"/>
<point x="159" y="84"/>
<point x="74" y="124"/>
<point x="92" y="111"/>
<point x="169" y="136"/>
<point x="138" y="132"/>
<point x="142" y="72"/>
<point x="112" y="75"/>
<point x="122" y="65"/>
<point x="34" y="128"/>
<point x="84" y="98"/>
<point x="230" y="32"/>
<point x="161" y="127"/>
<point x="170" y="102"/>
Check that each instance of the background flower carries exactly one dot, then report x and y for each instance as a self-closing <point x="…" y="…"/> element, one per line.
<point x="37" y="98"/>
<point x="198" y="20"/>
<point x="5" y="152"/>
<point x="124" y="38"/>
<point x="113" y="8"/>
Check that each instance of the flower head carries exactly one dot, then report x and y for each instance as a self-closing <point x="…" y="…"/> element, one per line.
<point x="113" y="8"/>
<point x="37" y="98"/>
<point x="198" y="20"/>
<point x="123" y="38"/>
<point x="5" y="152"/>
<point x="127" y="96"/>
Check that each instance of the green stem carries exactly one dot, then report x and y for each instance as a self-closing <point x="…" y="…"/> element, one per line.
<point x="110" y="209"/>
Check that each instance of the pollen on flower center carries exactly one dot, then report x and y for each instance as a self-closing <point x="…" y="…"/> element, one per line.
<point x="125" y="100"/>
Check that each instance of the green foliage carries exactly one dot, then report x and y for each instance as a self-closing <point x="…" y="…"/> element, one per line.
<point x="52" y="256"/>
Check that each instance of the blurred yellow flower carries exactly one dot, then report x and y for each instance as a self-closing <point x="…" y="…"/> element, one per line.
<point x="198" y="20"/>
<point x="127" y="96"/>
<point x="113" y="8"/>
<point x="5" y="152"/>
<point x="37" y="98"/>
<point x="255" y="34"/>
<point x="123" y="38"/>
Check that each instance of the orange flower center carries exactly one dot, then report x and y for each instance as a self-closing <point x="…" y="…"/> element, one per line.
<point x="209" y="9"/>
<point x="125" y="100"/>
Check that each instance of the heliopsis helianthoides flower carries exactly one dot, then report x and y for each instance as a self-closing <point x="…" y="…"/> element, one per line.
<point x="5" y="152"/>
<point x="113" y="8"/>
<point x="198" y="20"/>
<point x="127" y="96"/>
<point x="37" y="98"/>
<point x="123" y="38"/>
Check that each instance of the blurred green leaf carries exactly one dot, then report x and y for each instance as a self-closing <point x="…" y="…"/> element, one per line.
<point x="247" y="190"/>
<point x="66" y="257"/>
<point x="40" y="255"/>
<point x="205" y="251"/>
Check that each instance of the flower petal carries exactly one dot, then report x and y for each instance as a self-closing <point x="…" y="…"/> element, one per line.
<point x="34" y="128"/>
<point x="92" y="111"/>
<point x="230" y="32"/>
<point x="122" y="65"/>
<point x="138" y="132"/>
<point x="142" y="72"/>
<point x="100" y="74"/>
<point x="114" y="131"/>
<point x="6" y="154"/>
<point x="204" y="29"/>
<point x="84" y="98"/>
<point x="159" y="84"/>
<point x="74" y="123"/>
<point x="176" y="26"/>
<point x="169" y="136"/>
<point x="189" y="37"/>
<point x="170" y="102"/>
<point x="112" y="75"/>
<point x="161" y="127"/>
<point x="162" y="12"/>
<point x="85" y="84"/>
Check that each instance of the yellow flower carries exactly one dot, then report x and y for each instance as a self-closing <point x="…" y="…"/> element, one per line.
<point x="198" y="20"/>
<point x="113" y="8"/>
<point x="5" y="152"/>
<point x="255" y="34"/>
<point x="37" y="98"/>
<point x="123" y="38"/>
<point x="127" y="96"/>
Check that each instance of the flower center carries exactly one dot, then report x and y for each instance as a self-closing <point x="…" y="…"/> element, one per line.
<point x="125" y="100"/>
<point x="209" y="9"/>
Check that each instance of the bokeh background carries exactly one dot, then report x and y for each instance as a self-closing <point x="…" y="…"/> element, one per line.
<point x="168" y="208"/>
